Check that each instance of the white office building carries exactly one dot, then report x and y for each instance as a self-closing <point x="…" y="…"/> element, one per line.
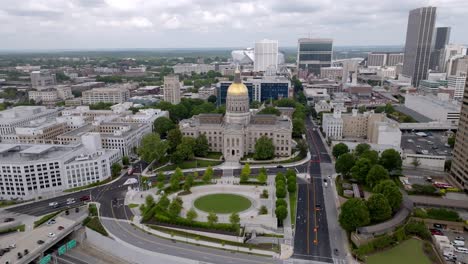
<point x="332" y="125"/>
<point x="434" y="108"/>
<point x="171" y="90"/>
<point x="22" y="115"/>
<point x="42" y="79"/>
<point x="29" y="171"/>
<point x="114" y="95"/>
<point x="458" y="84"/>
<point x="266" y="55"/>
<point x="188" y="68"/>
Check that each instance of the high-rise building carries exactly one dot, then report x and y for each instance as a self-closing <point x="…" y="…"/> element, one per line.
<point x="266" y="55"/>
<point x="459" y="170"/>
<point x="457" y="83"/>
<point x="442" y="38"/>
<point x="376" y="59"/>
<point x="418" y="44"/>
<point x="42" y="79"/>
<point x="115" y="95"/>
<point x="171" y="89"/>
<point x="313" y="54"/>
<point x="395" y="58"/>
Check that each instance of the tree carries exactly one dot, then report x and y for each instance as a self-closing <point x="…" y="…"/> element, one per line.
<point x="281" y="212"/>
<point x="177" y="157"/>
<point x="285" y="102"/>
<point x="354" y="214"/>
<point x="178" y="112"/>
<point x="188" y="182"/>
<point x="379" y="208"/>
<point x="208" y="175"/>
<point x="191" y="215"/>
<point x="255" y="104"/>
<point x="246" y="170"/>
<point x="281" y="202"/>
<point x="175" y="179"/>
<point x="234" y="219"/>
<point x="280" y="177"/>
<point x="361" y="148"/>
<point x="391" y="192"/>
<point x="163" y="203"/>
<point x="360" y="170"/>
<point x="152" y="148"/>
<point x="212" y="99"/>
<point x="298" y="127"/>
<point x="303" y="147"/>
<point x="451" y="140"/>
<point x="201" y="146"/>
<point x="125" y="160"/>
<point x="162" y="125"/>
<point x="174" y="136"/>
<point x="212" y="218"/>
<point x="264" y="149"/>
<point x="344" y="163"/>
<point x="390" y="159"/>
<point x="371" y="155"/>
<point x="280" y="191"/>
<point x="376" y="174"/>
<point x="186" y="148"/>
<point x="262" y="178"/>
<point x="175" y="207"/>
<point x="416" y="162"/>
<point x="263" y="210"/>
<point x="115" y="169"/>
<point x="291" y="186"/>
<point x="339" y="149"/>
<point x="269" y="110"/>
<point x="160" y="178"/>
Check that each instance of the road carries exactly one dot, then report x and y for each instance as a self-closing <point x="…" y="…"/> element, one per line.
<point x="311" y="239"/>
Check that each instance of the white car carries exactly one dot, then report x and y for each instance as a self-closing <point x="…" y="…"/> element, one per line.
<point x="51" y="235"/>
<point x="462" y="250"/>
<point x="458" y="243"/>
<point x="53" y="204"/>
<point x="51" y="222"/>
<point x="70" y="200"/>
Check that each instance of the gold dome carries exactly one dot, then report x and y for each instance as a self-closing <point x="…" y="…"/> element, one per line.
<point x="237" y="87"/>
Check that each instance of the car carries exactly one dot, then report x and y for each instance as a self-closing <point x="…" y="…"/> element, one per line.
<point x="20" y="255"/>
<point x="12" y="246"/>
<point x="70" y="201"/>
<point x="51" y="235"/>
<point x="428" y="179"/>
<point x="67" y="212"/>
<point x="436" y="232"/>
<point x="326" y="184"/>
<point x="26" y="251"/>
<point x="7" y="249"/>
<point x="8" y="219"/>
<point x="60" y="228"/>
<point x="458" y="243"/>
<point x="461" y="250"/>
<point x="279" y="167"/>
<point x="459" y="238"/>
<point x="40" y="242"/>
<point x="77" y="210"/>
<point x="85" y="198"/>
<point x="324" y="180"/>
<point x="446" y="145"/>
<point x="318" y="207"/>
<point x="53" y="204"/>
<point x="51" y="222"/>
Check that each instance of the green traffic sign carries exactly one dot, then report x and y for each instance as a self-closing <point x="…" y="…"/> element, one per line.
<point x="71" y="244"/>
<point x="45" y="259"/>
<point x="62" y="250"/>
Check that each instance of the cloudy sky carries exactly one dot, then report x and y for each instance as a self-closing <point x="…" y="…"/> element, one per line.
<point x="89" y="24"/>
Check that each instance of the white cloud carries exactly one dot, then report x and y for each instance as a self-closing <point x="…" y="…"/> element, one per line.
<point x="210" y="23"/>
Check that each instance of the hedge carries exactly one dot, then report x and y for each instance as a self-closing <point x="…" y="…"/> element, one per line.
<point x="45" y="219"/>
<point x="94" y="224"/>
<point x="420" y="189"/>
<point x="13" y="229"/>
<point x="438" y="214"/>
<point x="179" y="221"/>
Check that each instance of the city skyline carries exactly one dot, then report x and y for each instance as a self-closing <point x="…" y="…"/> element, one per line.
<point x="81" y="24"/>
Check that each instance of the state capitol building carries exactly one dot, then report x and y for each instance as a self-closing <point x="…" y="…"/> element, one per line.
<point x="235" y="133"/>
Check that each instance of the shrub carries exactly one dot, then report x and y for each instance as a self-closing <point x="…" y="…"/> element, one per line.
<point x="195" y="224"/>
<point x="443" y="214"/>
<point x="418" y="229"/>
<point x="379" y="243"/>
<point x="264" y="194"/>
<point x="423" y="189"/>
<point x="263" y="210"/>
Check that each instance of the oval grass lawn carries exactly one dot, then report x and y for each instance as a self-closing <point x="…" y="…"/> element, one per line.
<point x="222" y="203"/>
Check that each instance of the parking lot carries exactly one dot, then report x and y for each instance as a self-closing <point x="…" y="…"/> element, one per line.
<point x="435" y="143"/>
<point x="462" y="258"/>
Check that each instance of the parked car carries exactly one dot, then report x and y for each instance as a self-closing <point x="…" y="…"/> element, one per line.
<point x="85" y="198"/>
<point x="462" y="250"/>
<point x="436" y="232"/>
<point x="77" y="210"/>
<point x="458" y="243"/>
<point x="40" y="242"/>
<point x="459" y="238"/>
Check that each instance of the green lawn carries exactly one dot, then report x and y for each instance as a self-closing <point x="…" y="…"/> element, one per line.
<point x="190" y="164"/>
<point x="292" y="205"/>
<point x="408" y="252"/>
<point x="213" y="155"/>
<point x="222" y="203"/>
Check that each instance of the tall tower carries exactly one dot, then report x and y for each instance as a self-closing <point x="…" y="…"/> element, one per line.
<point x="266" y="55"/>
<point x="313" y="54"/>
<point x="171" y="90"/>
<point x="237" y="102"/>
<point x="459" y="170"/>
<point x="418" y="46"/>
<point x="442" y="38"/>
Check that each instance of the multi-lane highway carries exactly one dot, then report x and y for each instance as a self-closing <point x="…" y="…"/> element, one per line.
<point x="311" y="239"/>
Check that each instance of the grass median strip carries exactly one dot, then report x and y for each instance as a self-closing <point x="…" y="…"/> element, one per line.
<point x="45" y="218"/>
